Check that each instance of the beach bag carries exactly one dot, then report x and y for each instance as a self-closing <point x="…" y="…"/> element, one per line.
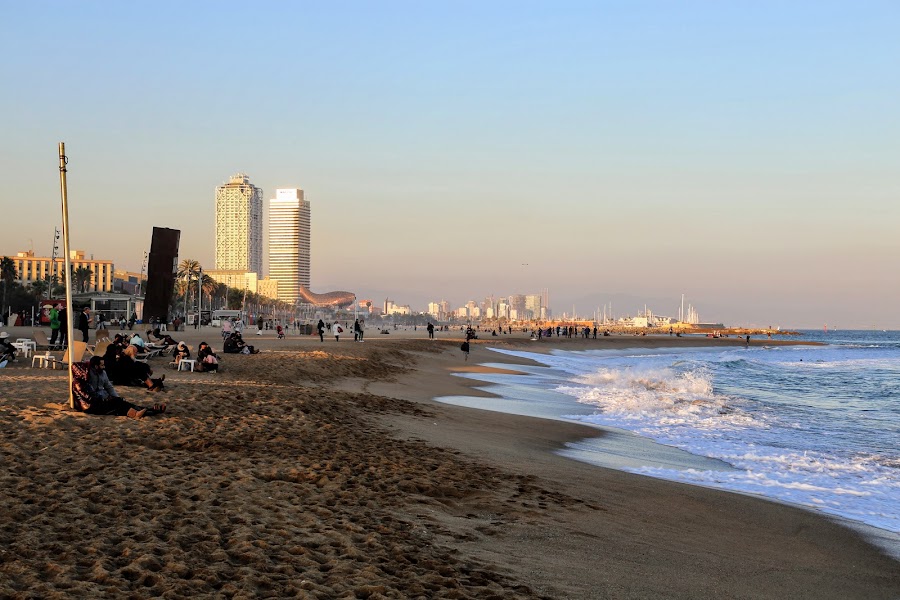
<point x="464" y="347"/>
<point x="340" y="329"/>
<point x="245" y="350"/>
<point x="209" y="359"/>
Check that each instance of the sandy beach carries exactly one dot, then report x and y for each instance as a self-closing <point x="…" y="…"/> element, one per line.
<point x="327" y="470"/>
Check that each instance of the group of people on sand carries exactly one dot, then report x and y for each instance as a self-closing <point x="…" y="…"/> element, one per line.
<point x="95" y="394"/>
<point x="123" y="368"/>
<point x="235" y="344"/>
<point x="207" y="359"/>
<point x="94" y="382"/>
<point x="359" y="330"/>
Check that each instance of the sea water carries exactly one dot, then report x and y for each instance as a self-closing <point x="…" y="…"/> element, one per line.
<point x="817" y="426"/>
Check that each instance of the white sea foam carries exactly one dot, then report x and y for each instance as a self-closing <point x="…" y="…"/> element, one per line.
<point x="815" y="426"/>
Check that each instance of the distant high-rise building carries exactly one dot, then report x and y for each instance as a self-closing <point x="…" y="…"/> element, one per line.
<point x="239" y="226"/>
<point x="439" y="310"/>
<point x="517" y="303"/>
<point x="533" y="306"/>
<point x="289" y="227"/>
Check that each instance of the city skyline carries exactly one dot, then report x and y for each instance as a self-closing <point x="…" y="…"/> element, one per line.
<point x="612" y="153"/>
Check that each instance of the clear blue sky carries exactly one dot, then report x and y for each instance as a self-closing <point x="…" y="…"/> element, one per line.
<point x="745" y="154"/>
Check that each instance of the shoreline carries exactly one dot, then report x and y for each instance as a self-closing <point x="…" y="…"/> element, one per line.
<point x="554" y="434"/>
<point x="322" y="470"/>
<point x="654" y="454"/>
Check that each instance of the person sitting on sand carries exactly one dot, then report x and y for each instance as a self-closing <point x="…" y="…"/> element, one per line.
<point x="7" y="350"/>
<point x="111" y="359"/>
<point x="181" y="352"/>
<point x="95" y="395"/>
<point x="166" y="339"/>
<point x="137" y="340"/>
<point x="133" y="373"/>
<point x="207" y="359"/>
<point x="235" y="344"/>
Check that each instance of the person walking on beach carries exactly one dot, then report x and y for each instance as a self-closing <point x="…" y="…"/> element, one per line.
<point x="430" y="329"/>
<point x="320" y="327"/>
<point x="337" y="330"/>
<point x="84" y="323"/>
<point x="54" y="324"/>
<point x="362" y="328"/>
<point x="356" y="330"/>
<point x="63" y="326"/>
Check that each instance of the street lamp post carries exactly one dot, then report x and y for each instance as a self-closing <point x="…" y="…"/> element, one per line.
<point x="187" y="289"/>
<point x="52" y="263"/>
<point x="199" y="324"/>
<point x="141" y="278"/>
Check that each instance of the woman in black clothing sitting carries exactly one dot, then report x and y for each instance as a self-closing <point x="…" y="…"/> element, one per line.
<point x="133" y="373"/>
<point x="235" y="344"/>
<point x="207" y="359"/>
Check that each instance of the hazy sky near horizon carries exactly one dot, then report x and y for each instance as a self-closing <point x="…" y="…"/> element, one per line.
<point x="743" y="154"/>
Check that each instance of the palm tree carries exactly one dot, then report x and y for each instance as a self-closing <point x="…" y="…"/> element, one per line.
<point x="8" y="275"/>
<point x="208" y="286"/>
<point x="187" y="270"/>
<point x="180" y="287"/>
<point x="82" y="278"/>
<point x="39" y="288"/>
<point x="221" y="291"/>
<point x="8" y="270"/>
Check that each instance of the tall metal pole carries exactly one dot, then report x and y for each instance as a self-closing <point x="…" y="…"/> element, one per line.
<point x="199" y="298"/>
<point x="187" y="289"/>
<point x="141" y="278"/>
<point x="70" y="329"/>
<point x="52" y="263"/>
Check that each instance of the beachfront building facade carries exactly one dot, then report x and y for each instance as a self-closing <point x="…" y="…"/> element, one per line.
<point x="289" y="242"/>
<point x="268" y="287"/>
<point x="238" y="279"/>
<point x="128" y="282"/>
<point x="30" y="268"/>
<point x="239" y="226"/>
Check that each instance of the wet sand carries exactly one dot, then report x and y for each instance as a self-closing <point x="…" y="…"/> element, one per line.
<point x="318" y="470"/>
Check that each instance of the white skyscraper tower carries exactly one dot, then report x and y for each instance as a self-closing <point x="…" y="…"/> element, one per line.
<point x="289" y="227"/>
<point x="239" y="226"/>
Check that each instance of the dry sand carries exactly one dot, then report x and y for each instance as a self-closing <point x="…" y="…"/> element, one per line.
<point x="326" y="471"/>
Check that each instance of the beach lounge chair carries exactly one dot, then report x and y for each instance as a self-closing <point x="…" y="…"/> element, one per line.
<point x="100" y="348"/>
<point x="154" y="351"/>
<point x="77" y="348"/>
<point x="41" y="338"/>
